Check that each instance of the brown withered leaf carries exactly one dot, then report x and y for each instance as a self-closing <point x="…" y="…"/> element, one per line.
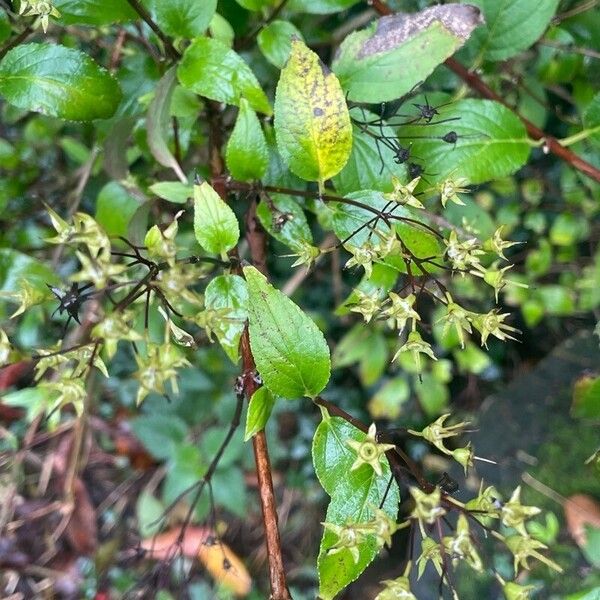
<point x="395" y="53"/>
<point x="394" y="30"/>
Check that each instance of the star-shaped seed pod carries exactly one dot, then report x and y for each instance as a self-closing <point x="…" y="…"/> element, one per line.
<point x="369" y="451"/>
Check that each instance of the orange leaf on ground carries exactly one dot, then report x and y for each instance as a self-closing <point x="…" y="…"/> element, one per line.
<point x="581" y="510"/>
<point x="224" y="566"/>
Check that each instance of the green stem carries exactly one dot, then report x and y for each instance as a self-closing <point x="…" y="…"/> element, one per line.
<point x="578" y="137"/>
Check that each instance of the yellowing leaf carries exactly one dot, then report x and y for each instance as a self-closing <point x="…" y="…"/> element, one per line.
<point x="218" y="559"/>
<point x="312" y="124"/>
<point x="225" y="567"/>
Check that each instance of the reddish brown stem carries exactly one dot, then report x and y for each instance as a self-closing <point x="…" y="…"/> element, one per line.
<point x="257" y="244"/>
<point x="16" y="41"/>
<point x="477" y="84"/>
<point x="279" y="590"/>
<point x="550" y="142"/>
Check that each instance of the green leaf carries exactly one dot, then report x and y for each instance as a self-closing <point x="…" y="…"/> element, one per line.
<point x="492" y="142"/>
<point x="473" y="215"/>
<point x="183" y="18"/>
<point x="5" y="27"/>
<point x="591" y="119"/>
<point x="255" y="5"/>
<point x="229" y="292"/>
<point x="185" y="469"/>
<point x="172" y="191"/>
<point x="213" y="70"/>
<point x="295" y="232"/>
<point x="161" y="435"/>
<point x="290" y="351"/>
<point x="354" y="496"/>
<point x="94" y="12"/>
<point x="387" y="402"/>
<point x="58" y="81"/>
<point x="351" y="348"/>
<point x="591" y="550"/>
<point x="275" y="41"/>
<point x="16" y="266"/>
<point x="421" y="243"/>
<point x="220" y="29"/>
<point x="34" y="400"/>
<point x="158" y="123"/>
<point x="229" y="489"/>
<point x="312" y="124"/>
<point x="586" y="398"/>
<point x="374" y="360"/>
<point x="320" y="7"/>
<point x="115" y="208"/>
<point x="395" y="53"/>
<point x="149" y="512"/>
<point x="511" y="26"/>
<point x="433" y="394"/>
<point x="215" y="224"/>
<point x="368" y="167"/>
<point x="259" y="410"/>
<point x="360" y="224"/>
<point x="247" y="155"/>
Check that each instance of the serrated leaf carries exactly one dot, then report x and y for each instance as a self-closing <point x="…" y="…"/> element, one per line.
<point x="94" y="12"/>
<point x="312" y="123"/>
<point x="247" y="155"/>
<point x="492" y="142"/>
<point x="172" y="191"/>
<point x="290" y="351"/>
<point x="58" y="81"/>
<point x="591" y="119"/>
<point x="183" y="18"/>
<point x="215" y="225"/>
<point x="158" y="122"/>
<point x="259" y="410"/>
<point x="213" y="70"/>
<point x="511" y="26"/>
<point x="387" y="59"/>
<point x="295" y="233"/>
<point x="354" y="496"/>
<point x="369" y="167"/>
<point x="229" y="292"/>
<point x="275" y="41"/>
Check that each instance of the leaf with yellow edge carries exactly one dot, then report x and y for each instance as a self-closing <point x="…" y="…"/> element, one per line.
<point x="312" y="124"/>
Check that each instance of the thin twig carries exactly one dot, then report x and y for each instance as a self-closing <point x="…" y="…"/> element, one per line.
<point x="16" y="41"/>
<point x="569" y="48"/>
<point x="551" y="144"/>
<point x="145" y="16"/>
